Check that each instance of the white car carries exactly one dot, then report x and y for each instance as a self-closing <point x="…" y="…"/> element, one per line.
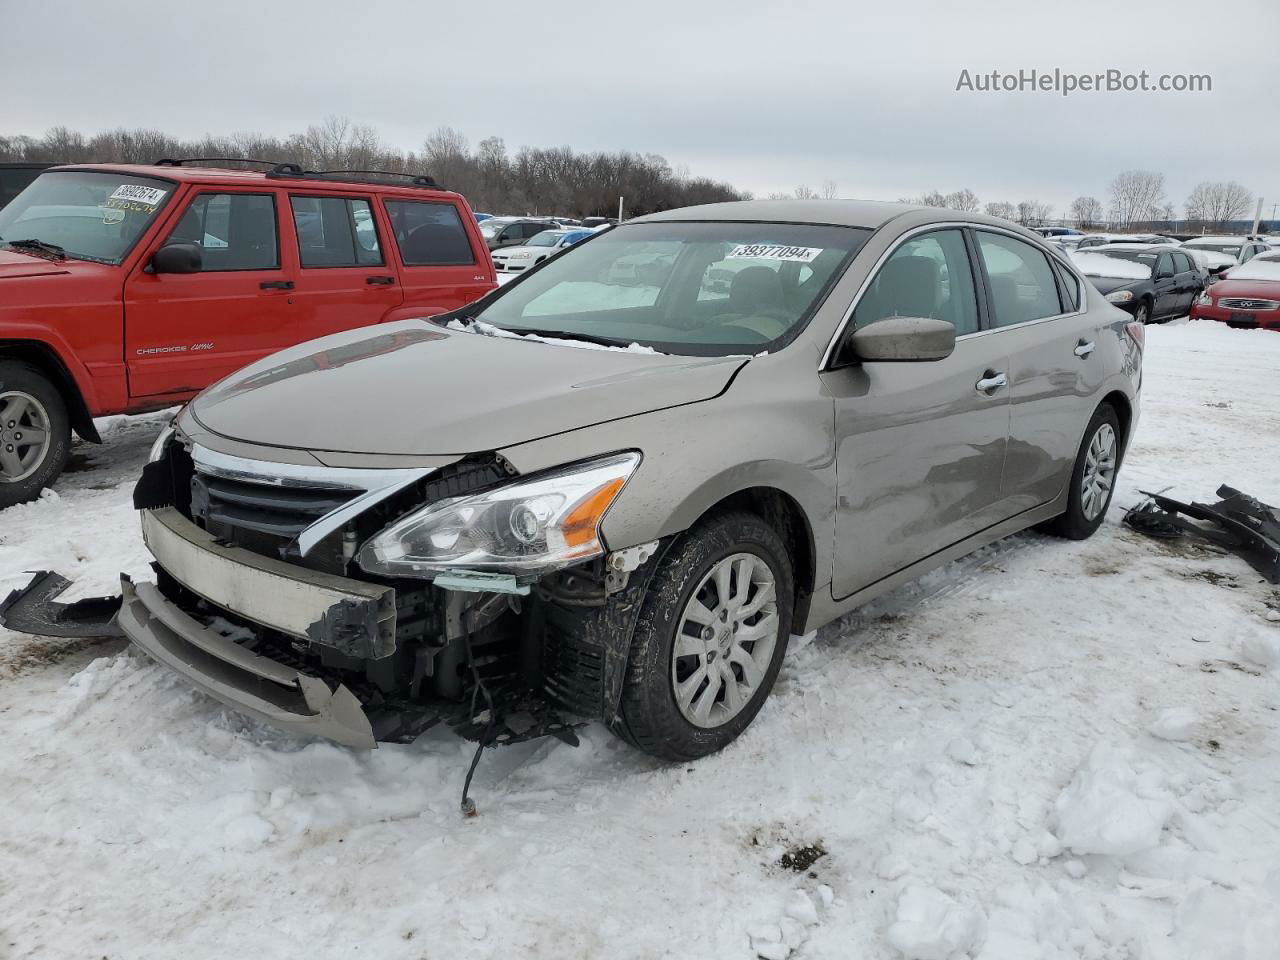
<point x="1237" y="249"/>
<point x="1098" y="239"/>
<point x="540" y="246"/>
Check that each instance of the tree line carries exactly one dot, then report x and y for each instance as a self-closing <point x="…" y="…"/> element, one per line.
<point x="558" y="181"/>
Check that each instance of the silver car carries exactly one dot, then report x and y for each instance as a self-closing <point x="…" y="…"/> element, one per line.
<point x="613" y="489"/>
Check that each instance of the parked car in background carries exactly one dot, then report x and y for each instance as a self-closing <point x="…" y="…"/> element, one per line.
<point x="130" y="288"/>
<point x="1059" y="232"/>
<point x="1102" y="239"/>
<point x="15" y="177"/>
<point x="596" y="222"/>
<point x="541" y="246"/>
<point x="1065" y="242"/>
<point x="1239" y="249"/>
<point x="1247" y="296"/>
<point x="481" y="217"/>
<point x="501" y="232"/>
<point x="1150" y="281"/>
<point x="661" y="491"/>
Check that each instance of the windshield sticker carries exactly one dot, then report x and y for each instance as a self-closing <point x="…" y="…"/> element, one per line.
<point x="774" y="251"/>
<point x="136" y="193"/>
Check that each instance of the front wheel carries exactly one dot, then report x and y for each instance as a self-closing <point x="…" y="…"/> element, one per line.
<point x="709" y="639"/>
<point x="35" y="432"/>
<point x="1093" y="480"/>
<point x="1143" y="313"/>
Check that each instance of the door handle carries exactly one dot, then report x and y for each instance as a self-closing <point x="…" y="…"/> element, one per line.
<point x="276" y="285"/>
<point x="382" y="281"/>
<point x="991" y="382"/>
<point x="1084" y="348"/>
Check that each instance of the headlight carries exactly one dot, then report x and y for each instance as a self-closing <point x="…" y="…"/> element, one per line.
<point x="1205" y="299"/>
<point x="521" y="256"/>
<point x="530" y="526"/>
<point x="1120" y="296"/>
<point x="162" y="441"/>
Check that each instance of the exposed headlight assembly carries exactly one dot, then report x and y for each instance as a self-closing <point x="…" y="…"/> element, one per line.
<point x="1120" y="296"/>
<point x="162" y="443"/>
<point x="528" y="527"/>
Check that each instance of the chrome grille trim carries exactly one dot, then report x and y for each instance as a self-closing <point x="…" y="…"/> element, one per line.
<point x="1248" y="303"/>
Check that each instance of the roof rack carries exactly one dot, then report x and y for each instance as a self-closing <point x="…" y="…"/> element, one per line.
<point x="293" y="171"/>
<point x="171" y="162"/>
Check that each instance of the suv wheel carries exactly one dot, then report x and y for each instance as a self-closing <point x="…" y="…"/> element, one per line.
<point x="35" y="433"/>
<point x="1093" y="480"/>
<point x="709" y="640"/>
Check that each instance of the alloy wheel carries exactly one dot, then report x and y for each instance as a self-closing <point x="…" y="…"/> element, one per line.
<point x="1099" y="472"/>
<point x="725" y="640"/>
<point x="25" y="435"/>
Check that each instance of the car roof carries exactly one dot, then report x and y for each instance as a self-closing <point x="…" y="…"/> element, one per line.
<point x="184" y="174"/>
<point x="1129" y="247"/>
<point x="841" y="213"/>
<point x="1224" y="239"/>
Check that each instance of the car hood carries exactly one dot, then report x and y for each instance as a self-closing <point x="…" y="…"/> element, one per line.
<point x="1249" y="289"/>
<point x="508" y="251"/>
<point x="1112" y="284"/>
<point x="14" y="265"/>
<point x="414" y="388"/>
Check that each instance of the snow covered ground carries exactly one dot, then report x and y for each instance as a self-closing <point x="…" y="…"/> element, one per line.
<point x="1046" y="750"/>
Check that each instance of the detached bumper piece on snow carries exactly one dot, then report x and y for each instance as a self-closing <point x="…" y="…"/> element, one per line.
<point x="33" y="609"/>
<point x="1241" y="524"/>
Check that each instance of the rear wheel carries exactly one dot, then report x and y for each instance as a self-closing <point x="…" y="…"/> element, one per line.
<point x="1093" y="479"/>
<point x="709" y="640"/>
<point x="35" y="432"/>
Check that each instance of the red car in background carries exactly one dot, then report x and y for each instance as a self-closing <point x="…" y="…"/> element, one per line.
<point x="131" y="288"/>
<point x="1246" y="296"/>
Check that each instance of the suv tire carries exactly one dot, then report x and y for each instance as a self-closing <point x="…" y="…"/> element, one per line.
<point x="29" y="399"/>
<point x="742" y="634"/>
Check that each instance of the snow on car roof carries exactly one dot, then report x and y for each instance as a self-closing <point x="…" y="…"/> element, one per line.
<point x="1100" y="265"/>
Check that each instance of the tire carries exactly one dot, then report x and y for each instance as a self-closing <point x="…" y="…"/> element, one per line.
<point x="1082" y="516"/>
<point x="651" y="716"/>
<point x="1143" y="313"/>
<point x="28" y="399"/>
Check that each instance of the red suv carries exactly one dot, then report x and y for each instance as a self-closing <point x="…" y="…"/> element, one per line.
<point x="130" y="288"/>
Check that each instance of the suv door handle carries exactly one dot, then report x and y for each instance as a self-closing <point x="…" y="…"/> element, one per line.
<point x="383" y="281"/>
<point x="991" y="382"/>
<point x="1084" y="348"/>
<point x="276" y="285"/>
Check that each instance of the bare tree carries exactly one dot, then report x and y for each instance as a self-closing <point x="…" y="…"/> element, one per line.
<point x="803" y="192"/>
<point x="1002" y="209"/>
<point x="1086" y="211"/>
<point x="1135" y="195"/>
<point x="1216" y="204"/>
<point x="965" y="200"/>
<point x="830" y="190"/>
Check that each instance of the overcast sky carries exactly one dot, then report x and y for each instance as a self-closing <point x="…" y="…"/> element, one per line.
<point x="763" y="93"/>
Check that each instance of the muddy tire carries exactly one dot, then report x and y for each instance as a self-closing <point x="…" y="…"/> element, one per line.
<point x="35" y="432"/>
<point x="709" y="639"/>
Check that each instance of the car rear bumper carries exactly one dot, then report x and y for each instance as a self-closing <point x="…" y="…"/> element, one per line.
<point x="1265" y="319"/>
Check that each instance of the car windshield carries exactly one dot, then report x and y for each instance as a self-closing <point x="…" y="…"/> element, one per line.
<point x="547" y="238"/>
<point x="90" y="215"/>
<point x="1231" y="250"/>
<point x="702" y="289"/>
<point x="1116" y="264"/>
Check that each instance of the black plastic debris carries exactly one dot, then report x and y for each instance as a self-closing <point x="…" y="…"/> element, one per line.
<point x="33" y="609"/>
<point x="1238" y="522"/>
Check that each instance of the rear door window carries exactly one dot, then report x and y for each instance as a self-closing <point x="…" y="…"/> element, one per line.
<point x="429" y="234"/>
<point x="335" y="232"/>
<point x="1021" y="280"/>
<point x="234" y="231"/>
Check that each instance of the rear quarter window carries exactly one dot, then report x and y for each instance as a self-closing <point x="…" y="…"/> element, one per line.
<point x="429" y="234"/>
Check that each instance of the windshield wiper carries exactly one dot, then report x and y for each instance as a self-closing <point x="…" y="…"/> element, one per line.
<point x="39" y="246"/>
<point x="567" y="335"/>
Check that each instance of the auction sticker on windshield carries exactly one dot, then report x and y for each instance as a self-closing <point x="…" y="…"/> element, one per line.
<point x="774" y="251"/>
<point x="137" y="193"/>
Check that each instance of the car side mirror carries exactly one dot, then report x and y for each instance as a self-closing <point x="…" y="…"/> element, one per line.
<point x="901" y="340"/>
<point x="177" y="258"/>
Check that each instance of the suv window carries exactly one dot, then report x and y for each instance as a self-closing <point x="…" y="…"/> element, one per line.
<point x="928" y="276"/>
<point x="429" y="234"/>
<point x="335" y="232"/>
<point x="234" y="231"/>
<point x="1022" y="284"/>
